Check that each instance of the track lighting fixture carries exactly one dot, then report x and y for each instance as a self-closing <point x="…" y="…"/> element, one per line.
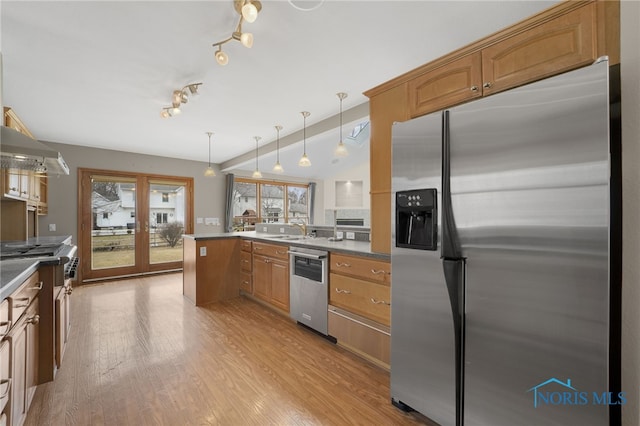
<point x="179" y="97"/>
<point x="277" y="167"/>
<point x="304" y="160"/>
<point x="256" y="173"/>
<point x="209" y="172"/>
<point x="341" y="149"/>
<point x="248" y="11"/>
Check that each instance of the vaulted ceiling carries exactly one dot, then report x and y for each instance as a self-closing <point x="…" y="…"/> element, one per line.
<point x="98" y="73"/>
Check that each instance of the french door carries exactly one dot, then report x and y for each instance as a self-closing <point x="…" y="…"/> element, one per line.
<point x="131" y="223"/>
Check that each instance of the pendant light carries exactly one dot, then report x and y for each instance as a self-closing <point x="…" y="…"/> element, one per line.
<point x="277" y="167"/>
<point x="209" y="172"/>
<point x="341" y="149"/>
<point x="256" y="174"/>
<point x="304" y="160"/>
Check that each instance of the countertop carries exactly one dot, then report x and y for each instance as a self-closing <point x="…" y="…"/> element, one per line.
<point x="359" y="248"/>
<point x="14" y="272"/>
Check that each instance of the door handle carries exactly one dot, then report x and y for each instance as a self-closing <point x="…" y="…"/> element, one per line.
<point x="146" y="226"/>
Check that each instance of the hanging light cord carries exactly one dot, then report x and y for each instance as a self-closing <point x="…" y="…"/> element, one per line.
<point x="278" y="145"/>
<point x="304" y="133"/>
<point x="209" y="133"/>
<point x="257" y="152"/>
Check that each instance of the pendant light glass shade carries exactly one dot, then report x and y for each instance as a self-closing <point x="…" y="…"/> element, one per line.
<point x="278" y="167"/>
<point x="209" y="172"/>
<point x="256" y="174"/>
<point x="341" y="149"/>
<point x="304" y="161"/>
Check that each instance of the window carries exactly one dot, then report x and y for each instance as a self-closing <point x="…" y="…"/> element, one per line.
<point x="165" y="197"/>
<point x="105" y="215"/>
<point x="272" y="202"/>
<point x="161" y="218"/>
<point x="132" y="214"/>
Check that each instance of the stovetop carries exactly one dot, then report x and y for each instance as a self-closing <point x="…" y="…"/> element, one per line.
<point x="35" y="247"/>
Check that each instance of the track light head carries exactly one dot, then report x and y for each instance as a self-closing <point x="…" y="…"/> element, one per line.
<point x="221" y="57"/>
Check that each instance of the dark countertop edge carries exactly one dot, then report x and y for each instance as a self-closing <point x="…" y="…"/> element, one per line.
<point x="256" y="237"/>
<point x="23" y="270"/>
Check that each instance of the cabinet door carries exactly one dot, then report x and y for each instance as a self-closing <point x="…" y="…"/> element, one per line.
<point x="31" y="372"/>
<point x="61" y="310"/>
<point x="18" y="338"/>
<point x="11" y="182"/>
<point x="280" y="284"/>
<point x="564" y="43"/>
<point x="452" y="84"/>
<point x="261" y="278"/>
<point x="5" y="375"/>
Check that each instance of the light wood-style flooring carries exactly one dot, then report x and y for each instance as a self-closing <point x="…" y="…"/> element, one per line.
<point x="141" y="354"/>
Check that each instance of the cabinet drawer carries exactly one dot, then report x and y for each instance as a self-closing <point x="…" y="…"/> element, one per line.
<point x="23" y="296"/>
<point x="368" y="269"/>
<point x="271" y="250"/>
<point x="245" y="245"/>
<point x="246" y="284"/>
<point x="245" y="261"/>
<point x="5" y="325"/>
<point x="365" y="298"/>
<point x="360" y="335"/>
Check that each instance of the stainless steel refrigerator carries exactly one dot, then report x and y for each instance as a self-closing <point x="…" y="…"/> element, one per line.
<point x="500" y="257"/>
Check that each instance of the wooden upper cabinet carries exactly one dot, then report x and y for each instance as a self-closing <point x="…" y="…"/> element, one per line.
<point x="562" y="44"/>
<point x="457" y="82"/>
<point x="13" y="121"/>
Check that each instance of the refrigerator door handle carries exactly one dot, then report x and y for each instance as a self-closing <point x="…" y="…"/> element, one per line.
<point x="454" y="277"/>
<point x="450" y="248"/>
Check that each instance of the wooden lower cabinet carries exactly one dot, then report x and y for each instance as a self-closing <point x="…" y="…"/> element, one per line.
<point x="23" y="340"/>
<point x="271" y="281"/>
<point x="63" y="320"/>
<point x="5" y="375"/>
<point x="358" y="334"/>
<point x="210" y="269"/>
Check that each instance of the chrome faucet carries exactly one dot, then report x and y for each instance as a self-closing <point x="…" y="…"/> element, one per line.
<point x="302" y="226"/>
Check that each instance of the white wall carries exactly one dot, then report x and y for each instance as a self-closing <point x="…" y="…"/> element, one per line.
<point x="209" y="193"/>
<point x="359" y="172"/>
<point x="630" y="70"/>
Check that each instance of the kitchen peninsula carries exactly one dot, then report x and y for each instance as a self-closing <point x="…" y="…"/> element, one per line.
<point x="221" y="266"/>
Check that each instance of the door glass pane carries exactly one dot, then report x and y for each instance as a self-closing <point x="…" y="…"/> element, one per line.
<point x="298" y="204"/>
<point x="113" y="208"/>
<point x="167" y="207"/>
<point x="272" y="203"/>
<point x="244" y="206"/>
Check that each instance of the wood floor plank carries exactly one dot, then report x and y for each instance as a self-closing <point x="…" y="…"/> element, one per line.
<point x="141" y="354"/>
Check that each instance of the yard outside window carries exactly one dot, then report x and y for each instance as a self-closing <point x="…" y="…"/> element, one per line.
<point x="268" y="202"/>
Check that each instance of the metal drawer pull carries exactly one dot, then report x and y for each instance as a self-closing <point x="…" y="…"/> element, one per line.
<point x="245" y="282"/>
<point x="341" y="264"/>
<point x="379" y="302"/>
<point x="69" y="290"/>
<point x="22" y="305"/>
<point x="281" y="252"/>
<point x="267" y="261"/>
<point x="487" y="85"/>
<point x="474" y="88"/>
<point x="8" y="383"/>
<point x="7" y="325"/>
<point x="378" y="271"/>
<point x="245" y="260"/>
<point x="38" y="287"/>
<point x="33" y="320"/>
<point x="339" y="290"/>
<point x="258" y="248"/>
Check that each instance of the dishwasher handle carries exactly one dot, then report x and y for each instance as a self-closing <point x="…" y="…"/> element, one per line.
<point x="307" y="255"/>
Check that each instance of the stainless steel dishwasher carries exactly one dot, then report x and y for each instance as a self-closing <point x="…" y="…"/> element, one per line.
<point x="309" y="291"/>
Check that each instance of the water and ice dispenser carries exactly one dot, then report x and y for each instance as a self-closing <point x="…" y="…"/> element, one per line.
<point x="417" y="219"/>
